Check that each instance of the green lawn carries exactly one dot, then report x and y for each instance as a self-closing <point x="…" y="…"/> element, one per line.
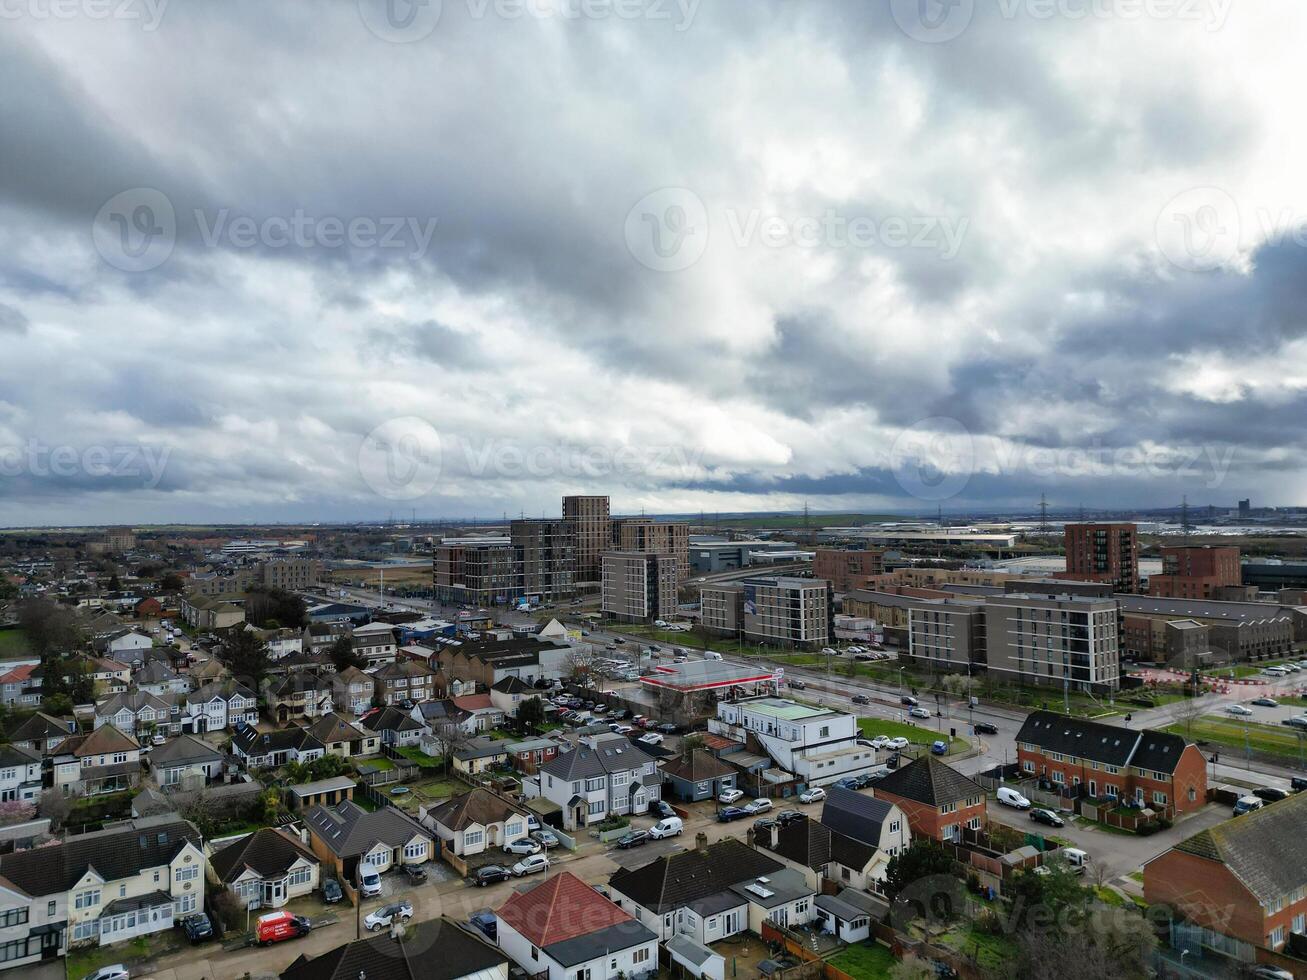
<point x="13" y="643"/>
<point x="917" y="734"/>
<point x="992" y="953"/>
<point x="869" y="961"/>
<point x="414" y="754"/>
<point x="379" y="764"/>
<point x="1229" y="732"/>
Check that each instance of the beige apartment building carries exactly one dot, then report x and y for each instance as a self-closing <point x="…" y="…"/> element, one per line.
<point x="545" y="552"/>
<point x="593" y="528"/>
<point x="638" y="587"/>
<point x="654" y="537"/>
<point x="779" y="611"/>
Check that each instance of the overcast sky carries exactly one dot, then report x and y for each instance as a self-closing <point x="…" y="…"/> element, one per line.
<point x="267" y="261"/>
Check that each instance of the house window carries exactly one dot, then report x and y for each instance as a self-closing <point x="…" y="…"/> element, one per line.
<point x="596" y="808"/>
<point x="415" y="850"/>
<point x="13" y="917"/>
<point x="87" y="899"/>
<point x="1159" y="798"/>
<point x="51" y="906"/>
<point x="1276" y="939"/>
<point x="471" y="838"/>
<point x="86" y="930"/>
<point x="301" y="876"/>
<point x="641" y="955"/>
<point x="894" y="827"/>
<point x="187" y="874"/>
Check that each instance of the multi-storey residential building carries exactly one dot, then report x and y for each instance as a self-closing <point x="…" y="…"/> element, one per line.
<point x="638" y="587"/>
<point x="20" y="773"/>
<point x="1195" y="573"/>
<point x="104" y="761"/>
<point x="1103" y="553"/>
<point x="940" y="802"/>
<point x="404" y="680"/>
<point x="946" y="634"/>
<point x="606" y="774"/>
<point x="476" y="571"/>
<point x="847" y="570"/>
<point x="290" y="574"/>
<point x="211" y="614"/>
<point x="593" y="528"/>
<point x="544" y="550"/>
<point x="102" y="887"/>
<point x="818" y="745"/>
<point x="780" y="610"/>
<point x="1239" y="887"/>
<point x="375" y="643"/>
<point x="1076" y="757"/>
<point x="1060" y="640"/>
<point x="671" y="538"/>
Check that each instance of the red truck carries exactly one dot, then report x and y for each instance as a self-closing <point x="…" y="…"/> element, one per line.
<point x="276" y="926"/>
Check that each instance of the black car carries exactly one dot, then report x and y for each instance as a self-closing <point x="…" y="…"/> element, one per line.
<point x="789" y="816"/>
<point x="415" y="873"/>
<point x="860" y="699"/>
<point x="634" y="839"/>
<point x="1047" y="817"/>
<point x="623" y="714"/>
<point x="1270" y="794"/>
<point x="667" y="728"/>
<point x="331" y="893"/>
<point x="197" y="928"/>
<point x="660" y="809"/>
<point x="488" y="874"/>
<point x="985" y="728"/>
<point x="728" y="813"/>
<point x="765" y="823"/>
<point x="486" y="922"/>
<point x="1298" y="783"/>
<point x="910" y="701"/>
<point x="797" y="685"/>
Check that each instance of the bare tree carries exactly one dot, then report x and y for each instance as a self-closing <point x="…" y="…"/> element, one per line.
<point x="450" y="736"/>
<point x="55" y="807"/>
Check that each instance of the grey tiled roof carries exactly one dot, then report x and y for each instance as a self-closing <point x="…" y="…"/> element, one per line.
<point x="1263" y="849"/>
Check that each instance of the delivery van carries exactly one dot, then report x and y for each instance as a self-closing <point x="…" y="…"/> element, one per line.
<point x="1007" y="795"/>
<point x="666" y="827"/>
<point x="276" y="926"/>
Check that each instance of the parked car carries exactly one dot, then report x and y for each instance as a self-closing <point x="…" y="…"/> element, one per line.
<point x="415" y="873"/>
<point x="848" y="782"/>
<point x="764" y="823"/>
<point x="880" y="742"/>
<point x="1247" y="804"/>
<point x="860" y="699"/>
<point x="1298" y="784"/>
<point x="544" y="838"/>
<point x="661" y="808"/>
<point x="530" y="865"/>
<point x="667" y="728"/>
<point x="985" y="728"/>
<point x="1267" y="972"/>
<point x="918" y="713"/>
<point x="1297" y="721"/>
<point x="1046" y="817"/>
<point x="898" y="743"/>
<point x="728" y="813"/>
<point x="331" y="893"/>
<point x="115" y="972"/>
<point x="634" y="839"/>
<point x="369" y="883"/>
<point x="814" y="795"/>
<point x="384" y="916"/>
<point x="1238" y="709"/>
<point x="1264" y="702"/>
<point x="939" y="747"/>
<point x="1271" y="794"/>
<point x="1010" y="797"/>
<point x="277" y="926"/>
<point x="486" y="922"/>
<point x="197" y="928"/>
<point x="523" y="845"/>
<point x="488" y="874"/>
<point x="761" y="805"/>
<point x="910" y="701"/>
<point x="789" y="816"/>
<point x="651" y="738"/>
<point x="157" y="739"/>
<point x="667" y="827"/>
<point x="730" y="795"/>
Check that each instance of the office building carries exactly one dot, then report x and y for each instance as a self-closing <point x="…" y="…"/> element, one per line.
<point x="1196" y="573"/>
<point x="847" y="570"/>
<point x="637" y="587"/>
<point x="593" y="529"/>
<point x="782" y="611"/>
<point x="1103" y="553"/>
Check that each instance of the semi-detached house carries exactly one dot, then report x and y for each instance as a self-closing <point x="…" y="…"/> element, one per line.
<point x="604" y="775"/>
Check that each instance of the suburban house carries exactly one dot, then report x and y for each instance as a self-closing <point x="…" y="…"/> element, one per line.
<point x="510" y="692"/>
<point x="1077" y="757"/>
<point x="41" y="732"/>
<point x="211" y="614"/>
<point x="123" y="646"/>
<point x="818" y="852"/>
<point x="281" y="643"/>
<point x="1241" y="885"/>
<point x="138" y="713"/>
<point x="437" y="715"/>
<point x="702" y="776"/>
<point x="605" y="774"/>
<point x="266" y="868"/>
<point x="267" y="750"/>
<point x="352" y="690"/>
<point x="346" y="836"/>
<point x="403" y="680"/>
<point x="109" y="676"/>
<point x="18" y="687"/>
<point x="476" y="821"/>
<point x="300" y="694"/>
<point x="462" y="956"/>
<point x="485" y="715"/>
<point x="374" y="643"/>
<point x="476" y="755"/>
<point x="395" y="726"/>
<point x="487" y="662"/>
<point x="159" y="679"/>
<point x="219" y="705"/>
<point x="108" y="885"/>
<point x="563" y="929"/>
<point x="318" y="637"/>
<point x="20" y="773"/>
<point x="186" y="763"/>
<point x="528" y="755"/>
<point x="848" y="915"/>
<point x="818" y="745"/>
<point x="875" y="822"/>
<point x="105" y="761"/>
<point x="692" y="892"/>
<point x="343" y="739"/>
<point x="938" y="801"/>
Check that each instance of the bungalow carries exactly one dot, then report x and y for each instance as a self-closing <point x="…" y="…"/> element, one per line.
<point x="343" y="739"/>
<point x="463" y="955"/>
<point x="563" y="929"/>
<point x="476" y="821"/>
<point x="346" y="836"/>
<point x="138" y="713"/>
<point x="479" y="754"/>
<point x="267" y="750"/>
<point x="436" y="715"/>
<point x="267" y="868"/>
<point x="352" y="690"/>
<point x="105" y="761"/>
<point x="185" y="762"/>
<point x="219" y="705"/>
<point x="702" y="776"/>
<point x="20" y="773"/>
<point x="848" y="915"/>
<point x="42" y="733"/>
<point x="394" y="725"/>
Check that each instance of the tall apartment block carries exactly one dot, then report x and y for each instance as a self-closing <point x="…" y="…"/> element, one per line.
<point x="947" y="635"/>
<point x="780" y="610"/>
<point x="654" y="537"/>
<point x="1103" y="553"/>
<point x="1196" y="573"/>
<point x="638" y="587"/>
<point x="478" y="572"/>
<point x="593" y="528"/>
<point x="847" y="570"/>
<point x="545" y="552"/>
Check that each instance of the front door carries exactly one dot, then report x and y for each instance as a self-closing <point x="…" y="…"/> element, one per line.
<point x="1093" y="788"/>
<point x="274" y="892"/>
<point x="50" y="945"/>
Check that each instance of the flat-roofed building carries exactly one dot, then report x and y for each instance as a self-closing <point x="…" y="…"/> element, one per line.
<point x="545" y="552"/>
<point x="946" y="634"/>
<point x="1103" y="553"/>
<point x="593" y="527"/>
<point x="780" y="610"/>
<point x="656" y="537"/>
<point x="1196" y="573"/>
<point x="1057" y="640"/>
<point x="477" y="572"/>
<point x="847" y="569"/>
<point x="638" y="587"/>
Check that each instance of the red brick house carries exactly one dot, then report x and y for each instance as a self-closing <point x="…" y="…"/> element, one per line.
<point x="938" y="800"/>
<point x="1244" y="882"/>
<point x="149" y="608"/>
<point x="1080" y="758"/>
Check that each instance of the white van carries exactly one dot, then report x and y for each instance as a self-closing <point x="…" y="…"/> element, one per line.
<point x="666" y="827"/>
<point x="1076" y="859"/>
<point x="710" y="655"/>
<point x="1007" y="795"/>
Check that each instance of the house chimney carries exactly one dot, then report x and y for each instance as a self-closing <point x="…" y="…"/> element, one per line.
<point x="701" y="843"/>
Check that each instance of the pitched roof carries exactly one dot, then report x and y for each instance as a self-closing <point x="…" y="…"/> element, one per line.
<point x="104" y="740"/>
<point x="389" y="719"/>
<point x="559" y="909"/>
<point x="618" y="755"/>
<point x="348" y="829"/>
<point x="14" y="755"/>
<point x="402" y="669"/>
<point x="815" y="845"/>
<point x="677" y="879"/>
<point x="477" y="806"/>
<point x="183" y="750"/>
<point x="266" y="852"/>
<point x="154" y="672"/>
<point x="333" y="728"/>
<point x="512" y="685"/>
<point x="133" y="701"/>
<point x="251" y="741"/>
<point x="1263" y="849"/>
<point x="41" y="726"/>
<point x="699" y="768"/>
<point x="473" y="702"/>
<point x="220" y="689"/>
<point x="607" y="941"/>
<point x="481" y="748"/>
<point x="1107" y="744"/>
<point x="855" y="814"/>
<point x="461" y="954"/>
<point x="929" y="781"/>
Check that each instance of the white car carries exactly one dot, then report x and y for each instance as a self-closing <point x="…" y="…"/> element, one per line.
<point x="919" y="712"/>
<point x="621" y="729"/>
<point x="813" y="795"/>
<point x="761" y="805"/>
<point x="530" y="865"/>
<point x="651" y="738"/>
<point x="898" y="743"/>
<point x="730" y="795"/>
<point x="523" y="845"/>
<point x="115" y="972"/>
<point x="370" y="883"/>
<point x="384" y="916"/>
<point x="1238" y="709"/>
<point x="882" y="742"/>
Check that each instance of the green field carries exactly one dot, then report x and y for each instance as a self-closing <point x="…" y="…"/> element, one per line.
<point x="1229" y="732"/>
<point x="13" y="643"/>
<point x="917" y="734"/>
<point x="867" y="961"/>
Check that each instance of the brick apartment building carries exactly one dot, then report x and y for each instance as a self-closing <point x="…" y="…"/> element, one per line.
<point x="637" y="587"/>
<point x="655" y="537"/>
<point x="847" y="570"/>
<point x="475" y="571"/>
<point x="1081" y="758"/>
<point x="938" y="801"/>
<point x="1196" y="573"/>
<point x="593" y="529"/>
<point x="1103" y="553"/>
<point x="1241" y="884"/>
